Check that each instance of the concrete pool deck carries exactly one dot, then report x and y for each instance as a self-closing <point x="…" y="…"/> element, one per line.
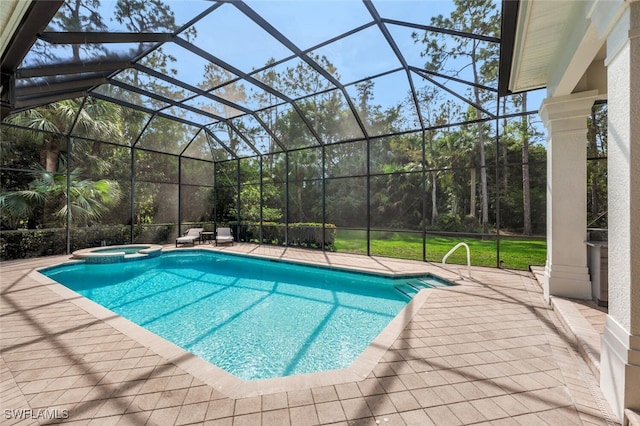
<point x="489" y="351"/>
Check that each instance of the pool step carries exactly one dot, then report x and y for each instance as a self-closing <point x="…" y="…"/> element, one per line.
<point x="407" y="290"/>
<point x="433" y="282"/>
<point x="412" y="287"/>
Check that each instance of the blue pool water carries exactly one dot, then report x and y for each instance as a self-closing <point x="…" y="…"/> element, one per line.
<point x="253" y="318"/>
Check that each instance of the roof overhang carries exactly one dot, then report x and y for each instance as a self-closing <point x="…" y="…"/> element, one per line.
<point x="557" y="45"/>
<point x="22" y="21"/>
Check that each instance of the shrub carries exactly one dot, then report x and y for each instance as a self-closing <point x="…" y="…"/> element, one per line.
<point x="156" y="234"/>
<point x="95" y="236"/>
<point x="27" y="243"/>
<point x="454" y="223"/>
<point x="301" y="234"/>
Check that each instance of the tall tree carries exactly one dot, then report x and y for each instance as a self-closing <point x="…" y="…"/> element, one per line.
<point x="435" y="112"/>
<point x="452" y="55"/>
<point x="149" y="16"/>
<point x="597" y="165"/>
<point x="526" y="185"/>
<point x="266" y="99"/>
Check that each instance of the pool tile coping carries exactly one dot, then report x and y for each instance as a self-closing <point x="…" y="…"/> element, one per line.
<point x="355" y="269"/>
<point x="227" y="383"/>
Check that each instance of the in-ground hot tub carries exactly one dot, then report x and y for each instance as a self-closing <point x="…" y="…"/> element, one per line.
<point x="115" y="254"/>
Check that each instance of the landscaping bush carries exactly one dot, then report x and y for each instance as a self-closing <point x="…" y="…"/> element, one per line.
<point x="27" y="243"/>
<point x="301" y="234"/>
<point x="96" y="236"/>
<point x="156" y="234"/>
<point x="455" y="223"/>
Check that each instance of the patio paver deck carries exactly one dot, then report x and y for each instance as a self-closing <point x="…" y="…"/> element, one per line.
<point x="489" y="351"/>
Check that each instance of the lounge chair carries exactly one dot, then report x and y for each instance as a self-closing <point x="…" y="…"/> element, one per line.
<point x="223" y="235"/>
<point x="190" y="236"/>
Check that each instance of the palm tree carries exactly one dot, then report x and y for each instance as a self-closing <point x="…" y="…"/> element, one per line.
<point x="96" y="118"/>
<point x="88" y="199"/>
<point x="46" y="195"/>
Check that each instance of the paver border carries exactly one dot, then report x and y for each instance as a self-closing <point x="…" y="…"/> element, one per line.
<point x="225" y="382"/>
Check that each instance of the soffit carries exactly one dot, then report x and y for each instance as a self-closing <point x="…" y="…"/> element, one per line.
<point x="11" y="13"/>
<point x="541" y="27"/>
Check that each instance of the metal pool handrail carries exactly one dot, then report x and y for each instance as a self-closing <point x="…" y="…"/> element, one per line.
<point x="444" y="259"/>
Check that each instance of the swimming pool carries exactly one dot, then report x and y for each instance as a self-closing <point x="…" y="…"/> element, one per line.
<point x="253" y="318"/>
<point x="118" y="253"/>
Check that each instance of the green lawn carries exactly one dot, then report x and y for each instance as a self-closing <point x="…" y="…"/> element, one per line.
<point x="515" y="253"/>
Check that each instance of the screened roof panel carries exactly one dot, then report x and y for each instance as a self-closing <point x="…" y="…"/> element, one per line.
<point x="385" y="104"/>
<point x="189" y="115"/>
<point x="195" y="74"/>
<point x="135" y="121"/>
<point x="215" y="76"/>
<point x="294" y="79"/>
<point x="43" y="84"/>
<point x="409" y="41"/>
<point x="112" y="16"/>
<point x="213" y="107"/>
<point x="44" y="53"/>
<point x="247" y="95"/>
<point x="260" y="76"/>
<point x="256" y="134"/>
<point x="231" y="36"/>
<point x="330" y="118"/>
<point x="166" y="135"/>
<point x="488" y="96"/>
<point x="199" y="147"/>
<point x="404" y="38"/>
<point x="419" y="12"/>
<point x="232" y="140"/>
<point x="131" y="97"/>
<point x="436" y="107"/>
<point x="105" y="127"/>
<point x="219" y="152"/>
<point x="119" y="125"/>
<point x="423" y="12"/>
<point x="460" y="65"/>
<point x="360" y="55"/>
<point x="153" y="84"/>
<point x="288" y="126"/>
<point x="310" y="22"/>
<point x="513" y="103"/>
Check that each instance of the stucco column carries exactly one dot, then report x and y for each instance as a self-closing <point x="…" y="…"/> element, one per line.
<point x="565" y="117"/>
<point x="620" y="349"/>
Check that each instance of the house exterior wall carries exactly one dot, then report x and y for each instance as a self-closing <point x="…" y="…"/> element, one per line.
<point x="620" y="350"/>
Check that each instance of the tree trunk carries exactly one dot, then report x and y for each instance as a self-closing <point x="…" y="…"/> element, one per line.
<point x="505" y="152"/>
<point x="301" y="215"/>
<point x="434" y="204"/>
<point x="592" y="171"/>
<point x="595" y="205"/>
<point x="483" y="172"/>
<point x="472" y="187"/>
<point x="483" y="181"/>
<point x="50" y="154"/>
<point x="526" y="187"/>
